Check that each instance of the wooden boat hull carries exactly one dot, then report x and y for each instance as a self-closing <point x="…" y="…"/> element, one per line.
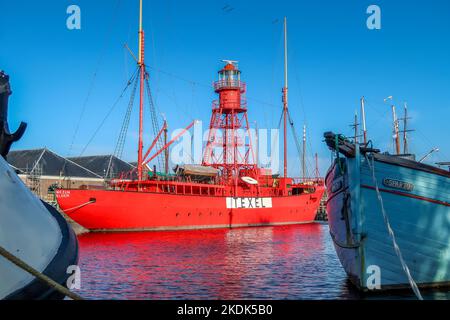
<point x="417" y="203"/>
<point x="143" y="211"/>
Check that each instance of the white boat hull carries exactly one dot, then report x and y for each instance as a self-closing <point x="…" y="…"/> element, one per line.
<point x="37" y="234"/>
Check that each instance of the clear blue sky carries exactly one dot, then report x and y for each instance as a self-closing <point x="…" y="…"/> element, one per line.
<point x="334" y="60"/>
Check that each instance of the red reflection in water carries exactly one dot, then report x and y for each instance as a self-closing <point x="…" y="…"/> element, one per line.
<point x="272" y="262"/>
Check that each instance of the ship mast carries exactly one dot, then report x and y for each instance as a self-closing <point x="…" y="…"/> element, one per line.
<point x="141" y="64"/>
<point x="405" y="130"/>
<point x="166" y="152"/>
<point x="285" y="97"/>
<point x="396" y="131"/>
<point x="304" y="153"/>
<point x="355" y="127"/>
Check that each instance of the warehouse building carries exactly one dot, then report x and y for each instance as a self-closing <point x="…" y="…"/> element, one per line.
<point x="42" y="170"/>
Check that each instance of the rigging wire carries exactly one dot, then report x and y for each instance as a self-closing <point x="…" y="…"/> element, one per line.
<point x="118" y="152"/>
<point x="206" y="86"/>
<point x="125" y="63"/>
<point x="108" y="114"/>
<point x="309" y="146"/>
<point x="155" y="125"/>
<point x="94" y="77"/>
<point x="199" y="84"/>
<point x="92" y="83"/>
<point x="277" y="57"/>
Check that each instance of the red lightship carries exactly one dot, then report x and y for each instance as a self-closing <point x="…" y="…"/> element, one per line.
<point x="227" y="190"/>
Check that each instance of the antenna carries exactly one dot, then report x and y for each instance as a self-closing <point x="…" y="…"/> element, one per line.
<point x="233" y="62"/>
<point x="363" y="118"/>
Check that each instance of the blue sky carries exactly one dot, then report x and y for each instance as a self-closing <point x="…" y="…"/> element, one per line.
<point x="334" y="60"/>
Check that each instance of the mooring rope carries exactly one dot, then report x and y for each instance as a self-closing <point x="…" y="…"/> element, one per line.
<point x="42" y="277"/>
<point x="412" y="283"/>
<point x="79" y="206"/>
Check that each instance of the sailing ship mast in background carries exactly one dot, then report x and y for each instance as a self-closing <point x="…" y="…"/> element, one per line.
<point x="355" y="127"/>
<point x="304" y="154"/>
<point x="216" y="194"/>
<point x="161" y="139"/>
<point x="396" y="131"/>
<point x="287" y="116"/>
<point x="141" y="64"/>
<point x="285" y="99"/>
<point x="405" y="129"/>
<point x="396" y="127"/>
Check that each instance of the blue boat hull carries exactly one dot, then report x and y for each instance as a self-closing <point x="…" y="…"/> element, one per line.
<point x="417" y="203"/>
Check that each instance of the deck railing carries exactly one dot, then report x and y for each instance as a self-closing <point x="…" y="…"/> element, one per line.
<point x="230" y="84"/>
<point x="311" y="181"/>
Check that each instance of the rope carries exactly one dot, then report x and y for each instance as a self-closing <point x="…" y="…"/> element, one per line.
<point x="412" y="283"/>
<point x="80" y="206"/>
<point x="42" y="277"/>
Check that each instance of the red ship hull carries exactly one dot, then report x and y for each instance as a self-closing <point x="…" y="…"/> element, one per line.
<point x="112" y="210"/>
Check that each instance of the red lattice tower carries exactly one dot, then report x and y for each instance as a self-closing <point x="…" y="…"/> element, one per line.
<point x="229" y="128"/>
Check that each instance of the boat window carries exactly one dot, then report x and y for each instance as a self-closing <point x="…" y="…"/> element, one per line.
<point x="229" y="75"/>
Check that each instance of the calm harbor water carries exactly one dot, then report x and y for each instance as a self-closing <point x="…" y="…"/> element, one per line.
<point x="292" y="262"/>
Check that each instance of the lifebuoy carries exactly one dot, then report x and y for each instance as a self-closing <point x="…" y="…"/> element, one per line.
<point x="249" y="180"/>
